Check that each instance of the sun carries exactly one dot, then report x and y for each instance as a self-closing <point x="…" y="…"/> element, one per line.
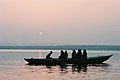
<point x="40" y="33"/>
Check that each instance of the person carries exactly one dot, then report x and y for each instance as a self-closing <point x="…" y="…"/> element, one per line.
<point x="79" y="54"/>
<point x="66" y="55"/>
<point x="73" y="54"/>
<point x="62" y="55"/>
<point x="84" y="54"/>
<point x="48" y="56"/>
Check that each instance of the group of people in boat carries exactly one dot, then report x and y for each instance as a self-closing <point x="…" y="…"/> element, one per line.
<point x="75" y="55"/>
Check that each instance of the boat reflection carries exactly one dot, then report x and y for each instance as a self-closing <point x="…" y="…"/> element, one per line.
<point x="79" y="68"/>
<point x="63" y="69"/>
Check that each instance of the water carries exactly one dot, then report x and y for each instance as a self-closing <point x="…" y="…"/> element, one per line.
<point x="13" y="67"/>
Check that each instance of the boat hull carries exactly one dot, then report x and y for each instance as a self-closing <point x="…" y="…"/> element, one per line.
<point x="53" y="61"/>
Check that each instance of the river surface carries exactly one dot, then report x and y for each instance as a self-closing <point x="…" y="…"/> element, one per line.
<point x="13" y="67"/>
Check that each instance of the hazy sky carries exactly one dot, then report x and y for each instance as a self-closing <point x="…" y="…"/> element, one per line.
<point x="60" y="21"/>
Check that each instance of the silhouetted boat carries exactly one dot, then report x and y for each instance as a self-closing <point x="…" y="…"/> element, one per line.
<point x="55" y="61"/>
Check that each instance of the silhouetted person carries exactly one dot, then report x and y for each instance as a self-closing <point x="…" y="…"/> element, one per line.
<point x="84" y="54"/>
<point x="48" y="56"/>
<point x="79" y="54"/>
<point x="62" y="55"/>
<point x="73" y="54"/>
<point x="66" y="55"/>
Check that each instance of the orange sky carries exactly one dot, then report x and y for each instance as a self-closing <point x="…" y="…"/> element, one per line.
<point x="96" y="20"/>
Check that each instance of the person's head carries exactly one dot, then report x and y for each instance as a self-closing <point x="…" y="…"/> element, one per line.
<point x="79" y="50"/>
<point x="74" y="50"/>
<point x="84" y="50"/>
<point x="51" y="52"/>
<point x="65" y="51"/>
<point x="62" y="51"/>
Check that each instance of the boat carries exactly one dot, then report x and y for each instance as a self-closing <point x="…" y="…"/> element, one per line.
<point x="56" y="61"/>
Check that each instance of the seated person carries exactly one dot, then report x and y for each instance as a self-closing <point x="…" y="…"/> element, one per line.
<point x="73" y="54"/>
<point x="84" y="54"/>
<point x="62" y="55"/>
<point x="48" y="56"/>
<point x="78" y="55"/>
<point x="66" y="55"/>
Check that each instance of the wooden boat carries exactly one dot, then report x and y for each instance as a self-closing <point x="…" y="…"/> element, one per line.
<point x="55" y="61"/>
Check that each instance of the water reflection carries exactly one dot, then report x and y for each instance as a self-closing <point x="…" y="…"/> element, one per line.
<point x="102" y="65"/>
<point x="64" y="69"/>
<point x="79" y="68"/>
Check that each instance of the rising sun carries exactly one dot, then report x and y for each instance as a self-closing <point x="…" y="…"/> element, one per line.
<point x="40" y="33"/>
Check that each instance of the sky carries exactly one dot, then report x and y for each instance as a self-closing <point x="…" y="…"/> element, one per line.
<point x="60" y="21"/>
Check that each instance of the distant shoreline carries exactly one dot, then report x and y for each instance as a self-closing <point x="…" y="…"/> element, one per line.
<point x="65" y="47"/>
